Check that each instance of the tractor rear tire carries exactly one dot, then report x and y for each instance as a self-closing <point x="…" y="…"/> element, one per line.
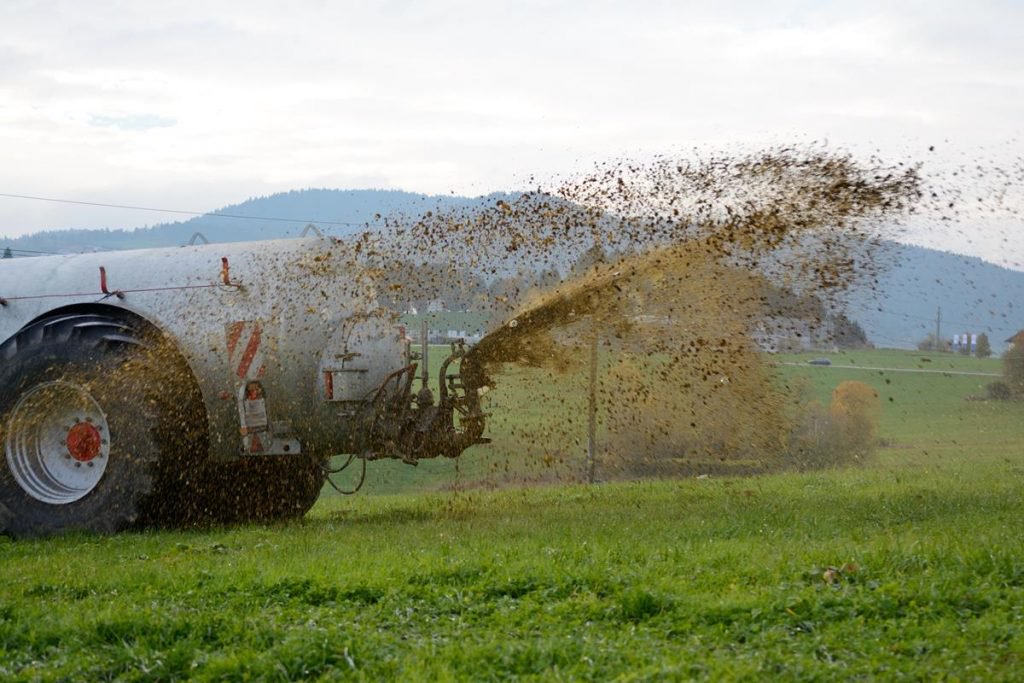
<point x="87" y="405"/>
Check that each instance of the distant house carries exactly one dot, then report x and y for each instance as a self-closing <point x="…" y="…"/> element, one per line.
<point x="1016" y="339"/>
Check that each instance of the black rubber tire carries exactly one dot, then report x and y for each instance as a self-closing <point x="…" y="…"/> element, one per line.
<point x="136" y="379"/>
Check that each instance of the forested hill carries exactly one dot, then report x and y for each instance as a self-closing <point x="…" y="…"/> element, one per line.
<point x="975" y="296"/>
<point x="900" y="310"/>
<point x="286" y="214"/>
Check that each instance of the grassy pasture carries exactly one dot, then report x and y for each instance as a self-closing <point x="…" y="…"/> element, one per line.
<point x="925" y="417"/>
<point x="689" y="579"/>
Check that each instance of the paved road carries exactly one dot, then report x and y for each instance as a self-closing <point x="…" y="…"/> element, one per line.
<point x="918" y="370"/>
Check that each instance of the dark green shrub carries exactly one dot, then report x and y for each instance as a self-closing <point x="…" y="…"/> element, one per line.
<point x="998" y="391"/>
<point x="1013" y="369"/>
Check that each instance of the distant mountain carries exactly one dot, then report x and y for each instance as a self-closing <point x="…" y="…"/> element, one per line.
<point x="286" y="214"/>
<point x="898" y="311"/>
<point x="975" y="296"/>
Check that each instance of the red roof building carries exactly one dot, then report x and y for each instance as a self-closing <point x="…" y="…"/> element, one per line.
<point x="1017" y="338"/>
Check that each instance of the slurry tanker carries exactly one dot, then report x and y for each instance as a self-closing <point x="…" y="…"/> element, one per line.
<point x="209" y="382"/>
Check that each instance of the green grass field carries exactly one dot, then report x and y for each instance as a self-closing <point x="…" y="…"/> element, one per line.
<point x="925" y="417"/>
<point x="717" y="578"/>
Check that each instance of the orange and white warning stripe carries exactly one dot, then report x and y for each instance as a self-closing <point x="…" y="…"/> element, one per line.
<point x="245" y="351"/>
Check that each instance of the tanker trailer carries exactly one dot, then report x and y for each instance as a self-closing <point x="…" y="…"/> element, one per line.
<point x="208" y="382"/>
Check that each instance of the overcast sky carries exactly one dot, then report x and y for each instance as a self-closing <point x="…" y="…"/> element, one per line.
<point x="198" y="104"/>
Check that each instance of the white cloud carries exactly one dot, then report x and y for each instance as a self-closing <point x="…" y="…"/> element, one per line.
<point x="136" y="122"/>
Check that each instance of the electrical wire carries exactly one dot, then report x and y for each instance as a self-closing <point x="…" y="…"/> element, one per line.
<point x="182" y="212"/>
<point x="908" y="316"/>
<point x="118" y="293"/>
<point x="19" y="251"/>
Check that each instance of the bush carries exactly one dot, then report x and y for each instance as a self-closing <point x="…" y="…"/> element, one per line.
<point x="1013" y="369"/>
<point x="984" y="348"/>
<point x="666" y="417"/>
<point x="855" y="410"/>
<point x="811" y="444"/>
<point x="930" y="343"/>
<point x="998" y="391"/>
<point x="844" y="433"/>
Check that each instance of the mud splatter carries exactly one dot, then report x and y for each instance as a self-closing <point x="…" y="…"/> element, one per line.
<point x="676" y="266"/>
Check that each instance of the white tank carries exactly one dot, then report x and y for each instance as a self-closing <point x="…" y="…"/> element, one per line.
<point x="294" y="315"/>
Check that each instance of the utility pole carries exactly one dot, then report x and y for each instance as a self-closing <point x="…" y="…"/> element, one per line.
<point x="592" y="410"/>
<point x="938" y="329"/>
<point x="425" y="351"/>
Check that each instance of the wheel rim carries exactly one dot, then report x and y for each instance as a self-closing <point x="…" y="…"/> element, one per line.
<point x="58" y="443"/>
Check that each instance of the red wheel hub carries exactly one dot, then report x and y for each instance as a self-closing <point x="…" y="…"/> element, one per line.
<point x="83" y="442"/>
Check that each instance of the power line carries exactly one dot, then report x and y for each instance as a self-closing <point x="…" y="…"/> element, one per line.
<point x="176" y="211"/>
<point x="873" y="309"/>
<point x="18" y="251"/>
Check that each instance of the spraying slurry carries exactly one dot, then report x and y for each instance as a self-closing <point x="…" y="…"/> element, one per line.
<point x="675" y="266"/>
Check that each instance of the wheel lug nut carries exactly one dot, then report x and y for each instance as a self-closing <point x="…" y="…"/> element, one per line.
<point x="89" y="463"/>
<point x="78" y="464"/>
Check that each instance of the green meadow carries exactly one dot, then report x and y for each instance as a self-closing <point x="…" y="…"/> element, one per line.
<point x="910" y="566"/>
<point x="539" y="418"/>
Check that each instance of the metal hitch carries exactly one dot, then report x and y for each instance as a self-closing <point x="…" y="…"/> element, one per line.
<point x="411" y="427"/>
